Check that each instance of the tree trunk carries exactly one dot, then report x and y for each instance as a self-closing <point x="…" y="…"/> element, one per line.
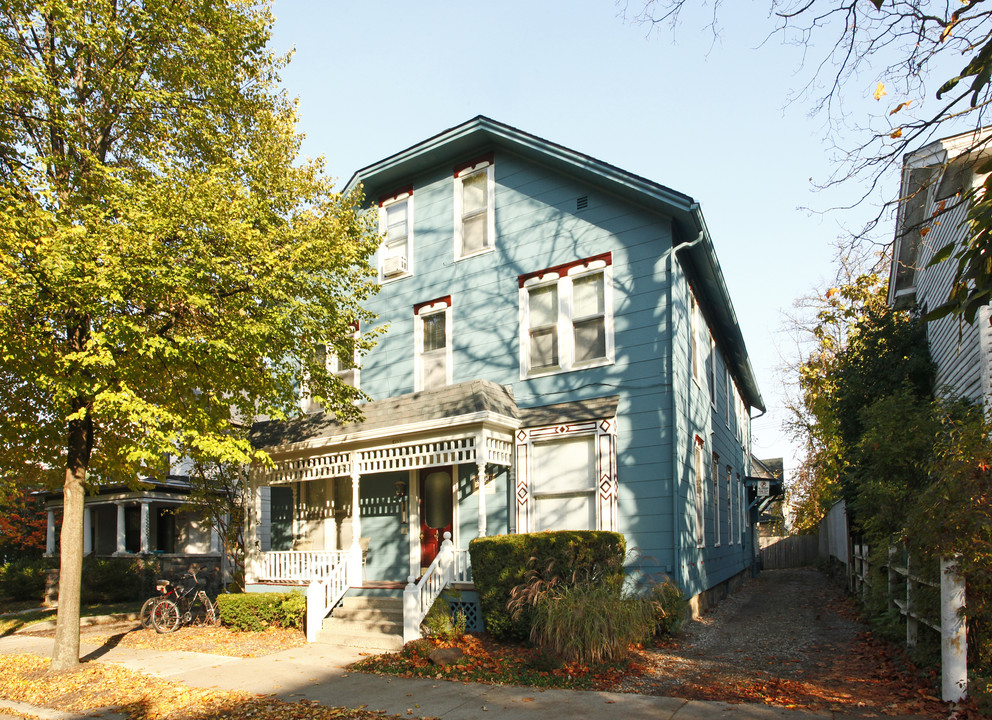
<point x="80" y="443"/>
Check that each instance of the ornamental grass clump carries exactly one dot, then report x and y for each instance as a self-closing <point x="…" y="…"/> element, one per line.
<point x="582" y="620"/>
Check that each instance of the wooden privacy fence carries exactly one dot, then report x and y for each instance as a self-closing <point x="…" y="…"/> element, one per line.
<point x="778" y="552"/>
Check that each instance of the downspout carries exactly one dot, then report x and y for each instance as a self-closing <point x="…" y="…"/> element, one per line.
<point x="676" y="477"/>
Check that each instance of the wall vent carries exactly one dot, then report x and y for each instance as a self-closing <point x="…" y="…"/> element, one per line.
<point x="582" y="202"/>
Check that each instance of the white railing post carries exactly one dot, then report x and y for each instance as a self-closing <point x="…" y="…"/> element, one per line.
<point x="316" y="593"/>
<point x="953" y="634"/>
<point x="411" y="609"/>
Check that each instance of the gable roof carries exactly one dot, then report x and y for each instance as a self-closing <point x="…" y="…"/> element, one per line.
<point x="461" y="141"/>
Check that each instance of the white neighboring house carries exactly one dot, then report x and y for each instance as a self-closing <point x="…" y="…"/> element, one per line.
<point x="932" y="213"/>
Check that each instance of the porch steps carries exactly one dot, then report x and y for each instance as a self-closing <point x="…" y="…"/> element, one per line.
<point x="374" y="623"/>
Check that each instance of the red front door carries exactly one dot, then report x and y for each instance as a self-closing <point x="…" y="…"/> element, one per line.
<point x="436" y="511"/>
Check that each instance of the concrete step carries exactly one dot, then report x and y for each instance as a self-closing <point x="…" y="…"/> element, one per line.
<point x="359" y="640"/>
<point x="372" y="627"/>
<point x="350" y="614"/>
<point x="372" y="601"/>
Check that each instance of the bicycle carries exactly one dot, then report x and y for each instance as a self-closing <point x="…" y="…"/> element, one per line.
<point x="167" y="590"/>
<point x="190" y="606"/>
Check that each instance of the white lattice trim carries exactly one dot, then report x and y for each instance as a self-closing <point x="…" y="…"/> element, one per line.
<point x="314" y="467"/>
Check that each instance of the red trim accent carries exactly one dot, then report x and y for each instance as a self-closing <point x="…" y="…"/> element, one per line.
<point x="488" y="157"/>
<point x="700" y="441"/>
<point x="563" y="269"/>
<point x="396" y="193"/>
<point x="354" y="326"/>
<point x="420" y="306"/>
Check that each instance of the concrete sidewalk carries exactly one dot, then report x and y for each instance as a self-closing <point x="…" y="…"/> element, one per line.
<point x="319" y="673"/>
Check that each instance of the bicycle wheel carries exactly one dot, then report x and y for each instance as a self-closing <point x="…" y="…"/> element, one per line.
<point x="166" y="616"/>
<point x="145" y="616"/>
<point x="213" y="617"/>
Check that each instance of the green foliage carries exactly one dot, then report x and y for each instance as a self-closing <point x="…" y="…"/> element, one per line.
<point x="442" y="620"/>
<point x="24" y="579"/>
<point x="258" y="611"/>
<point x="107" y="580"/>
<point x="583" y="620"/>
<point x="669" y="604"/>
<point x="501" y="563"/>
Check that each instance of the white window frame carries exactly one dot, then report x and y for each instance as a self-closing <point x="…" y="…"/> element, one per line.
<point x="700" y="484"/>
<point x="563" y="280"/>
<point x="742" y="501"/>
<point x="694" y="335"/>
<point x="589" y="493"/>
<point x="404" y="196"/>
<point x="715" y="471"/>
<point x="442" y="305"/>
<point x="730" y="506"/>
<point x="712" y="375"/>
<point x="604" y="430"/>
<point x="484" y="165"/>
<point x="334" y="363"/>
<point x="729" y="389"/>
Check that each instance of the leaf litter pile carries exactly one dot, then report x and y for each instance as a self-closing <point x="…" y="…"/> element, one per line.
<point x="100" y="686"/>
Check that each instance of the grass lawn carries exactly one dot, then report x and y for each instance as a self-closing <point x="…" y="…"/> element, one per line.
<point x="14" y="618"/>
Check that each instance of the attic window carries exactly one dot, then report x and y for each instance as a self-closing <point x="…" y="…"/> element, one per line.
<point x="582" y="202"/>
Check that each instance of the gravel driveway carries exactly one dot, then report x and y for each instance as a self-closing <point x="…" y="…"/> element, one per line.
<point x="789" y="638"/>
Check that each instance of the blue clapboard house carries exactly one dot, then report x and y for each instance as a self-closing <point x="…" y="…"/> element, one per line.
<point x="562" y="353"/>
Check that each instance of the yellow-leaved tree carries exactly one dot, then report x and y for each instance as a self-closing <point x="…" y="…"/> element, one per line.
<point x="167" y="264"/>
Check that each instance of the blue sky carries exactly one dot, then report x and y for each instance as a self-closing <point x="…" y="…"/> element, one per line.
<point x="708" y="118"/>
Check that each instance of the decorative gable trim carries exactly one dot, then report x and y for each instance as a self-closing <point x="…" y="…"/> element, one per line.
<point x="477" y="163"/>
<point x="558" y="271"/>
<point x="400" y="194"/>
<point x="441" y="303"/>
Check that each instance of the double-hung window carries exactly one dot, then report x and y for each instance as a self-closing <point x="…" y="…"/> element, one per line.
<point x="566" y="317"/>
<point x="396" y="224"/>
<point x="716" y="500"/>
<point x="475" y="189"/>
<point x="700" y="500"/>
<point x="432" y="339"/>
<point x="730" y="507"/>
<point x="563" y="483"/>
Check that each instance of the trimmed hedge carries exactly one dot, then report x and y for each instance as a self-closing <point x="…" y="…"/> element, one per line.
<point x="25" y="579"/>
<point x="258" y="611"/>
<point x="110" y="580"/>
<point x="503" y="562"/>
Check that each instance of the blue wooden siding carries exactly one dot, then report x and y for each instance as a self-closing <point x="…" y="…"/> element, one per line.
<point x="661" y="408"/>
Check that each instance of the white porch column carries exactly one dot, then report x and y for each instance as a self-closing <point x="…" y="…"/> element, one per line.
<point x="253" y="549"/>
<point x="355" y="561"/>
<point x="50" y="534"/>
<point x="145" y="526"/>
<point x="87" y="530"/>
<point x="121" y="545"/>
<point x="481" y="469"/>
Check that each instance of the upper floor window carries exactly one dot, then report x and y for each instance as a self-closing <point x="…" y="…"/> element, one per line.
<point x="396" y="223"/>
<point x="475" y="189"/>
<point x="711" y="375"/>
<point x="566" y="318"/>
<point x="699" y="500"/>
<point x="716" y="499"/>
<point x="694" y="335"/>
<point x="432" y="338"/>
<point x="344" y="365"/>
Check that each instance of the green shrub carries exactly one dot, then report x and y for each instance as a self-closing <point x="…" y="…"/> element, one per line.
<point x="24" y="579"/>
<point x="258" y="611"/>
<point x="586" y="622"/>
<point x="504" y="562"/>
<point x="110" y="580"/>
<point x="442" y="621"/>
<point x="669" y="605"/>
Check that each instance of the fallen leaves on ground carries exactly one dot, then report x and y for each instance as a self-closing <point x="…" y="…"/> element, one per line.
<point x="95" y="686"/>
<point x="196" y="638"/>
<point x="495" y="663"/>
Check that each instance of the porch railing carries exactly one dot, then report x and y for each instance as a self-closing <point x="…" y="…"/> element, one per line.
<point x="300" y="566"/>
<point x="325" y="592"/>
<point x="461" y="569"/>
<point x="421" y="594"/>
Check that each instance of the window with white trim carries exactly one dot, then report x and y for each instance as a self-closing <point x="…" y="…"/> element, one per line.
<point x="475" y="192"/>
<point x="344" y="366"/>
<point x="716" y="499"/>
<point x="566" y="317"/>
<point x="699" y="500"/>
<point x="563" y="483"/>
<point x="711" y="376"/>
<point x="694" y="335"/>
<point x="730" y="506"/>
<point x="432" y="340"/>
<point x="742" y="504"/>
<point x="729" y="389"/>
<point x="396" y="224"/>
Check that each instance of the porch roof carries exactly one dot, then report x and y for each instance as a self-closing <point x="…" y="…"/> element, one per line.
<point x="469" y="400"/>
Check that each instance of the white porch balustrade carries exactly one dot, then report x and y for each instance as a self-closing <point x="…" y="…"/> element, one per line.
<point x="301" y="566"/>
<point x="421" y="594"/>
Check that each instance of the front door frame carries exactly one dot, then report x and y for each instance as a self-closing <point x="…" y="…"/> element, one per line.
<point x="414" y="513"/>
